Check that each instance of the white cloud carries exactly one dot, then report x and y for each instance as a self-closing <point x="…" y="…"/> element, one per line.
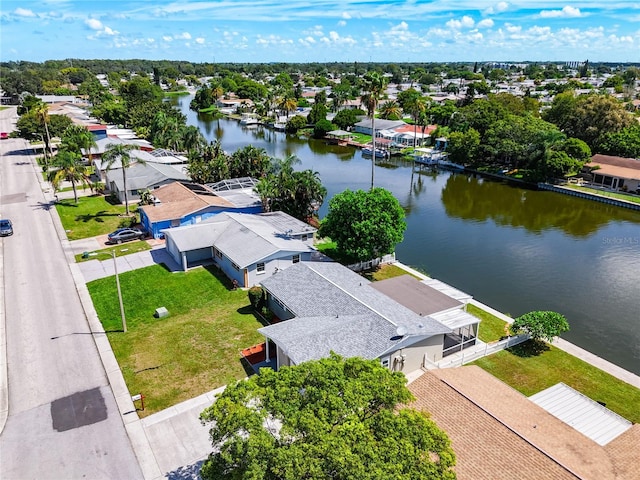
<point x="108" y="31"/>
<point x="346" y="15"/>
<point x="499" y="7"/>
<point x="513" y="28"/>
<point x="465" y="22"/>
<point x="200" y="41"/>
<point x="24" y="12"/>
<point x="468" y="22"/>
<point x="167" y="38"/>
<point x="566" y="12"/>
<point x="486" y="23"/>
<point x="342" y="23"/>
<point x="93" y="24"/>
<point x="401" y="27"/>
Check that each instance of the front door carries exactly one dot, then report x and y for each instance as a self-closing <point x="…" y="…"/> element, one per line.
<point x="614" y="183"/>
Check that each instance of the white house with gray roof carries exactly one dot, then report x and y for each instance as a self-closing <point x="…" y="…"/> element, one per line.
<point x="247" y="247"/>
<point x="326" y="307"/>
<point x="142" y="177"/>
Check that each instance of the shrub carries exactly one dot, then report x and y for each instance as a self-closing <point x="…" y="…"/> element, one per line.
<point x="256" y="297"/>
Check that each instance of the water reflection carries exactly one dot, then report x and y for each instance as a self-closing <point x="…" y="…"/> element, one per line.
<point x="477" y="199"/>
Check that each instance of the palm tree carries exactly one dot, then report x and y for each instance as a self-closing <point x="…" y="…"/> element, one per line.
<point x="77" y="138"/>
<point x="68" y="166"/>
<point x="374" y="86"/>
<point x="120" y="151"/>
<point x="42" y="113"/>
<point x="288" y="104"/>
<point x="390" y="110"/>
<point x="416" y="106"/>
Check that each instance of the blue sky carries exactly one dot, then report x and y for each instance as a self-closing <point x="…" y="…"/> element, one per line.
<point x="321" y="30"/>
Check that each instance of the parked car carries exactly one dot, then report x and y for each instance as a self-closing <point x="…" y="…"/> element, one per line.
<point x="126" y="234"/>
<point x="6" y="227"/>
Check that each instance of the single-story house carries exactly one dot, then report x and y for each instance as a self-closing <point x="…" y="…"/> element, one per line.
<point x="364" y="126"/>
<point x="178" y="204"/>
<point x="326" y="307"/>
<point x="498" y="433"/>
<point x="142" y="177"/>
<point x="616" y="173"/>
<point x="246" y="247"/>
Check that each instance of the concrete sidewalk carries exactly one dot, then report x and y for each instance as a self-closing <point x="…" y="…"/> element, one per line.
<point x="95" y="269"/>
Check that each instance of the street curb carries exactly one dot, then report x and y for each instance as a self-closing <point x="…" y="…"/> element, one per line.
<point x="4" y="371"/>
<point x="135" y="431"/>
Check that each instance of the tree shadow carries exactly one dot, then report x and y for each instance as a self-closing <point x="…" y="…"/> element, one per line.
<point x="220" y="276"/>
<point x="96" y="217"/>
<point x="187" y="472"/>
<point x="46" y="206"/>
<point x="530" y="348"/>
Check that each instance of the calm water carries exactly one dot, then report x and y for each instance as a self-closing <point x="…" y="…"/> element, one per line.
<point x="514" y="249"/>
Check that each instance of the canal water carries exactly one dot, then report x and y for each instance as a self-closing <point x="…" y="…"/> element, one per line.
<point x="513" y="249"/>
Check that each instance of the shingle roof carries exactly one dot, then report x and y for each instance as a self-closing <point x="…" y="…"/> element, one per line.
<point x="140" y="176"/>
<point x="244" y="238"/>
<point x="490" y="424"/>
<point x="360" y="320"/>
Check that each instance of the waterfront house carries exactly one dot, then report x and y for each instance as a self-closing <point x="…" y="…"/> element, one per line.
<point x="364" y="126"/>
<point x="325" y="307"/>
<point x="246" y="247"/>
<point x="615" y="173"/>
<point x="182" y="203"/>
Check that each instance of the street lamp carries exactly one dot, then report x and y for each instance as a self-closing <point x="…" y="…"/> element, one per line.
<point x="115" y="267"/>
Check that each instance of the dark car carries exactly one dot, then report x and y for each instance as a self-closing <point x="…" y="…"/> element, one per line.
<point x="6" y="228"/>
<point x="126" y="234"/>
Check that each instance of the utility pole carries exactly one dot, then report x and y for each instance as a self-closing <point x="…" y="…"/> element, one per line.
<point x="115" y="267"/>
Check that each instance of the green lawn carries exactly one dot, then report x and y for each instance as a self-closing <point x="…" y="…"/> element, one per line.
<point x="106" y="253"/>
<point x="193" y="350"/>
<point x="387" y="271"/>
<point x="492" y="328"/>
<point x="90" y="217"/>
<point x="531" y="374"/>
<point x="618" y="195"/>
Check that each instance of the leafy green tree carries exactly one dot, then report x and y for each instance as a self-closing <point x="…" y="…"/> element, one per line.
<point x="345" y="119"/>
<point x="540" y="325"/>
<point x="625" y="143"/>
<point x="318" y="113"/>
<point x="67" y="165"/>
<point x="463" y="147"/>
<point x="323" y="127"/>
<point x="121" y="153"/>
<point x="364" y="225"/>
<point x="295" y="123"/>
<point x="210" y="165"/>
<point x="331" y="418"/>
<point x="249" y="161"/>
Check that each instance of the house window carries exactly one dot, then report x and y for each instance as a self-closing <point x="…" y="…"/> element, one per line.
<point x="295" y="259"/>
<point x="217" y="252"/>
<point x="304" y="238"/>
<point x="235" y="266"/>
<point x="260" y="267"/>
<point x="385" y="362"/>
<point x="175" y="222"/>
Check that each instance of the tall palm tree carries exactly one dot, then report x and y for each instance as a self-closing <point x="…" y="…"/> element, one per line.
<point x="42" y="113"/>
<point x="68" y="166"/>
<point x="374" y="85"/>
<point x="288" y="104"/>
<point x="416" y="106"/>
<point x="77" y="138"/>
<point x="121" y="152"/>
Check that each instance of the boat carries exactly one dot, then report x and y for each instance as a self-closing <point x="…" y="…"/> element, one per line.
<point x="380" y="153"/>
<point x="249" y="119"/>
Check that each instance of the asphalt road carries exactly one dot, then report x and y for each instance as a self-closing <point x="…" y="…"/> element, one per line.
<point x="63" y="422"/>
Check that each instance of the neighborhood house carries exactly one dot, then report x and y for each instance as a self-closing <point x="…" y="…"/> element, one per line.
<point x="324" y="307"/>
<point x="246" y="247"/>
